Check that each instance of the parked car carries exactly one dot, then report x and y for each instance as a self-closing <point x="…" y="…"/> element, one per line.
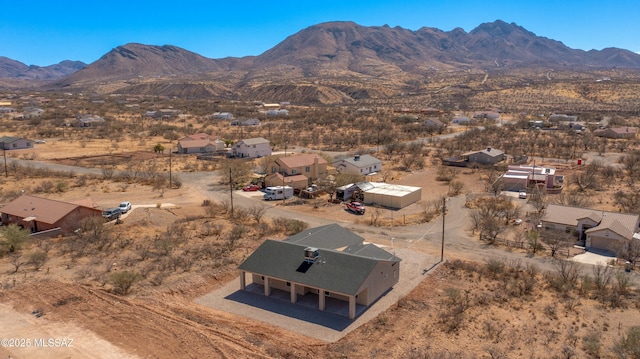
<point x="355" y="207"/>
<point x="522" y="194"/>
<point x="40" y="141"/>
<point x="125" y="207"/>
<point x="111" y="214"/>
<point x="251" y="188"/>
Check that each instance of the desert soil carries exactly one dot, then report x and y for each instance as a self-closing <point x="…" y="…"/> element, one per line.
<point x="165" y="322"/>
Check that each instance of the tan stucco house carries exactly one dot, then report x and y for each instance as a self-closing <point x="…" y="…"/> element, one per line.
<point x="311" y="166"/>
<point x="598" y="229"/>
<point x="328" y="262"/>
<point x="200" y="143"/>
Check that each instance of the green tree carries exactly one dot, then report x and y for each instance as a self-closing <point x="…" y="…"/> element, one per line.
<point x="13" y="237"/>
<point x="158" y="148"/>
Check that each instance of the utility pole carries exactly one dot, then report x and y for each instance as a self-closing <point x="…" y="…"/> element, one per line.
<point x="4" y="154"/>
<point x="284" y="194"/>
<point x="444" y="212"/>
<point x="170" y="166"/>
<point x="231" y="190"/>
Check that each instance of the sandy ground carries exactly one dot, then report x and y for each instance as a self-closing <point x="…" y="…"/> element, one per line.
<point x="27" y="336"/>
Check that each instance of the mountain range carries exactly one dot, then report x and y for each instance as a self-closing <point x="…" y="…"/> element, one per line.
<point x="342" y="53"/>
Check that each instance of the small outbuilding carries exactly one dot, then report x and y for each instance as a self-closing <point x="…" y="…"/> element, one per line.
<point x="390" y="195"/>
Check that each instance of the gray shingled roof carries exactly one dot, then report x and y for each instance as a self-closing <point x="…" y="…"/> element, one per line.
<point x="332" y="271"/>
<point x="363" y="161"/>
<point x="344" y="263"/>
<point x="330" y="236"/>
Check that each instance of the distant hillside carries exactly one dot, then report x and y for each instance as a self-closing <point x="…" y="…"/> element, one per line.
<point x="329" y="62"/>
<point x="137" y="60"/>
<point x="11" y="69"/>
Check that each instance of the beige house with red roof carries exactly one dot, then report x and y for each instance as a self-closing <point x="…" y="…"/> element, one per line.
<point x="199" y="143"/>
<point x="41" y="214"/>
<point x="311" y="166"/>
<point x="598" y="229"/>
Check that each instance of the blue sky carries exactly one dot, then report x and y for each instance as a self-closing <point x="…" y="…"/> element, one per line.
<point x="45" y="32"/>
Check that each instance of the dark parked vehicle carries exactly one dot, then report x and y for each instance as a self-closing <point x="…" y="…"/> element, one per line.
<point x="111" y="214"/>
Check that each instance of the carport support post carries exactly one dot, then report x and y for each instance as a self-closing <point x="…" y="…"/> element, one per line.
<point x="294" y="293"/>
<point x="243" y="284"/>
<point x="321" y="299"/>
<point x="352" y="306"/>
<point x="267" y="287"/>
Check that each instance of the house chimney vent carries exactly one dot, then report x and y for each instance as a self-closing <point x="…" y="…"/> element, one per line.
<point x="488" y="149"/>
<point x="356" y="158"/>
<point x="311" y="254"/>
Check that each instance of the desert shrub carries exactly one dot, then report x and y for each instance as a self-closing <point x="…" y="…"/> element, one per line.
<point x="61" y="186"/>
<point x="37" y="258"/>
<point x="495" y="267"/>
<point x="288" y="226"/>
<point x="591" y="345"/>
<point x="629" y="345"/>
<point x="237" y="232"/>
<point x="44" y="187"/>
<point x="122" y="281"/>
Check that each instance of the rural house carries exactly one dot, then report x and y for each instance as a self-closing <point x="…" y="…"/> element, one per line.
<point x="222" y="115"/>
<point x="15" y="143"/>
<point x="616" y="132"/>
<point x="311" y="166"/>
<point x="488" y="156"/>
<point x="597" y="229"/>
<point x="519" y="178"/>
<point x="89" y="120"/>
<point x="462" y="120"/>
<point x="358" y="165"/>
<point x="434" y="124"/>
<point x="41" y="214"/>
<point x="298" y="182"/>
<point x="245" y="122"/>
<point x="164" y="113"/>
<point x="251" y="148"/>
<point x="328" y="262"/>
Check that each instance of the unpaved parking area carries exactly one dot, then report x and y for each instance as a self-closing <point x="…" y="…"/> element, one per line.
<point x="301" y="318"/>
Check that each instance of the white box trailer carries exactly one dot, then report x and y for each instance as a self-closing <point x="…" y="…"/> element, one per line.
<point x="278" y="192"/>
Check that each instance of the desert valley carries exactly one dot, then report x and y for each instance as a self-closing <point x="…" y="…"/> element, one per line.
<point x="444" y="195"/>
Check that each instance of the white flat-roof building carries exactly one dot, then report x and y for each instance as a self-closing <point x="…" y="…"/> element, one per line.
<point x="520" y="177"/>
